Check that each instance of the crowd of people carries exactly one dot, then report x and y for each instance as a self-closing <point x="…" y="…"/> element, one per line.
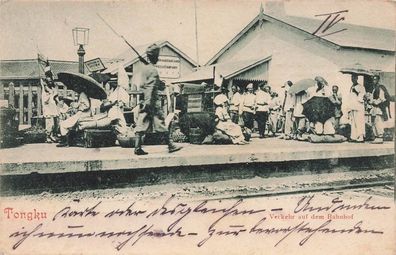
<point x="62" y="114"/>
<point x="235" y="115"/>
<point x="235" y="112"/>
<point x="286" y="118"/>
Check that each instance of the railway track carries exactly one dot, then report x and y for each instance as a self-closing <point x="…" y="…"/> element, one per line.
<point x="330" y="188"/>
<point x="233" y="181"/>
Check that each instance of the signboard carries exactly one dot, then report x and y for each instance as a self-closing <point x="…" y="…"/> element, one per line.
<point x="168" y="67"/>
<point x="94" y="65"/>
<point x="194" y="103"/>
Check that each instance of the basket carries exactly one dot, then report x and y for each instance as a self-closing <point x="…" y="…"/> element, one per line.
<point x="126" y="141"/>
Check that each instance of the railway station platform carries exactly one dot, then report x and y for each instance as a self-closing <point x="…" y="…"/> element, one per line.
<point x="47" y="158"/>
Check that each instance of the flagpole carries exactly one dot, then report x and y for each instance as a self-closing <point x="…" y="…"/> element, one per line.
<point x="196" y="32"/>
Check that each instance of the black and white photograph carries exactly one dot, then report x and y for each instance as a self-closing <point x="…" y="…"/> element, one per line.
<point x="197" y="127"/>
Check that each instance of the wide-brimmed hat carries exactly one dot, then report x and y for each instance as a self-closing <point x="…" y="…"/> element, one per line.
<point x="321" y="80"/>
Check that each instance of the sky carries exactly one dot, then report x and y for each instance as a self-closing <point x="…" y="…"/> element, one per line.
<point x="29" y="27"/>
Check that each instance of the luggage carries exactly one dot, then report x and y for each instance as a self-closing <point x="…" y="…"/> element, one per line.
<point x="8" y="128"/>
<point x="92" y="138"/>
<point x="196" y="136"/>
<point x="96" y="138"/>
<point x="34" y="134"/>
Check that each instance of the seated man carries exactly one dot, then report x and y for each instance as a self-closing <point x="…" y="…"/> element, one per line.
<point x="225" y="125"/>
<point x="83" y="110"/>
<point x="119" y="99"/>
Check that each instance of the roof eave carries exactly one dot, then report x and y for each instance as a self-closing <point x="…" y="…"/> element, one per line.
<point x="259" y="62"/>
<point x="371" y="49"/>
<point x="134" y="60"/>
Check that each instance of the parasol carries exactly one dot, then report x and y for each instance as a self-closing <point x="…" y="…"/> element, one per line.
<point x="82" y="83"/>
<point x="301" y="85"/>
<point x="357" y="69"/>
<point x="318" y="109"/>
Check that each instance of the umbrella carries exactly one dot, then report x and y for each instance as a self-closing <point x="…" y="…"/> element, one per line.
<point x="357" y="69"/>
<point x="301" y="85"/>
<point x="318" y="109"/>
<point x="82" y="83"/>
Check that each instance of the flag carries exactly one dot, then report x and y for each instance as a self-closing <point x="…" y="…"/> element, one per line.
<point x="45" y="65"/>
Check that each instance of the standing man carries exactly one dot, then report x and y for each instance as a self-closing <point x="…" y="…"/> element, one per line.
<point x="380" y="108"/>
<point x="356" y="110"/>
<point x="263" y="99"/>
<point x="234" y="105"/>
<point x="50" y="109"/>
<point x="275" y="108"/>
<point x="248" y="107"/>
<point x="288" y="107"/>
<point x="336" y="99"/>
<point x="151" y="117"/>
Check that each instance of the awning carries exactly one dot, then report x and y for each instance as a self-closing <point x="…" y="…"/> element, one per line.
<point x="227" y="70"/>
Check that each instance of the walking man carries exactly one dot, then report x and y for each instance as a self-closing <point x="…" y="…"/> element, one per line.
<point x="151" y="117"/>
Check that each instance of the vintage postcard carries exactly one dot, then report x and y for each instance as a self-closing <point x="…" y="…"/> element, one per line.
<point x="197" y="127"/>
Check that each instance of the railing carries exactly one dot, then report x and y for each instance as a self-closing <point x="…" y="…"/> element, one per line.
<point x="29" y="104"/>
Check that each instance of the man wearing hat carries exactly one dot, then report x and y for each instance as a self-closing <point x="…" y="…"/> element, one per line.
<point x="380" y="108"/>
<point x="234" y="104"/>
<point x="321" y="90"/>
<point x="151" y="117"/>
<point x="288" y="107"/>
<point x="263" y="99"/>
<point x="248" y="107"/>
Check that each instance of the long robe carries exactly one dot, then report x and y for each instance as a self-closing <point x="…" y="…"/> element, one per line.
<point x="356" y="112"/>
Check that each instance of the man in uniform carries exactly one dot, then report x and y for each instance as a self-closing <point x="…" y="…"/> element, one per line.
<point x="234" y="105"/>
<point x="151" y="117"/>
<point x="248" y="107"/>
<point x="263" y="99"/>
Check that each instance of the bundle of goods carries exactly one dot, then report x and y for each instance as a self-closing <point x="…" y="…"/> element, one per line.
<point x="205" y="121"/>
<point x="8" y="128"/>
<point x="179" y="137"/>
<point x="128" y="139"/>
<point x="389" y="134"/>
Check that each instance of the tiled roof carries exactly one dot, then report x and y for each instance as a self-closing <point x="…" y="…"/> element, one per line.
<point x="355" y="36"/>
<point x="29" y="68"/>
